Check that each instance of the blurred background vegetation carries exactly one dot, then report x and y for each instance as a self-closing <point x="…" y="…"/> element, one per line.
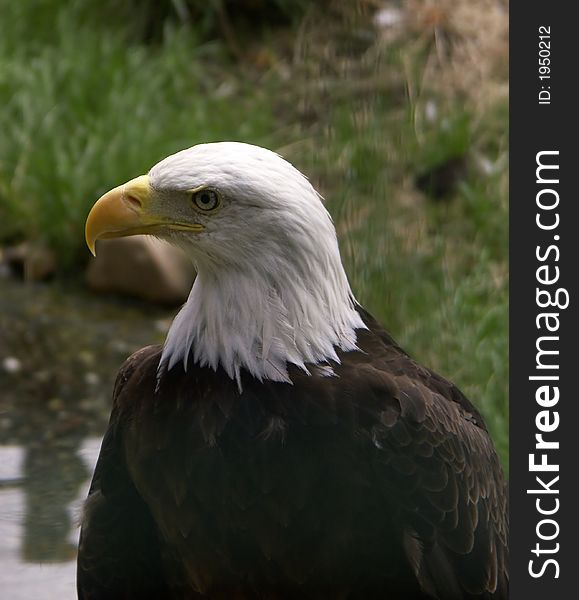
<point x="397" y="111"/>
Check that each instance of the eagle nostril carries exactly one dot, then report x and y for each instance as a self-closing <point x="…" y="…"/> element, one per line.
<point x="133" y="201"/>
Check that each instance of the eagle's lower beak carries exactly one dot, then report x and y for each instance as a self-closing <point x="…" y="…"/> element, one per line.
<point x="120" y="212"/>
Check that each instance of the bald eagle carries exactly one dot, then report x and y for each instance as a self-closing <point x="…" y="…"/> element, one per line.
<point x="280" y="444"/>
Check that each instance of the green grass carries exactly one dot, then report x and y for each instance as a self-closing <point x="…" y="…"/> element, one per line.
<point x="86" y="105"/>
<point x="86" y="110"/>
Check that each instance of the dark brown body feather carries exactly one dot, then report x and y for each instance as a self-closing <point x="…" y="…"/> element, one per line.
<point x="380" y="482"/>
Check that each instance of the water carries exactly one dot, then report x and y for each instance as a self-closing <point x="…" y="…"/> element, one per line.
<point x="38" y="520"/>
<point x="60" y="349"/>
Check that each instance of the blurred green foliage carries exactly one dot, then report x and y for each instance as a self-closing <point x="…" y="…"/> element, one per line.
<point x="93" y="94"/>
<point x="83" y="109"/>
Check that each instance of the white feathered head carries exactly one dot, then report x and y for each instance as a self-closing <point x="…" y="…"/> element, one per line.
<point x="271" y="289"/>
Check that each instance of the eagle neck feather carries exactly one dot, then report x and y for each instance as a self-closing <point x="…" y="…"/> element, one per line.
<point x="253" y="320"/>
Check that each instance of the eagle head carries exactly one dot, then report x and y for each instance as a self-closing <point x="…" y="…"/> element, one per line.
<point x="270" y="289"/>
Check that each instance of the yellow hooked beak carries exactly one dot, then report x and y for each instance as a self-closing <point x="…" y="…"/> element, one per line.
<point x="125" y="210"/>
<point x="120" y="212"/>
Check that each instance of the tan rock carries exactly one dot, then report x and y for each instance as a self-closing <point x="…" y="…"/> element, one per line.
<point x="31" y="261"/>
<point x="141" y="267"/>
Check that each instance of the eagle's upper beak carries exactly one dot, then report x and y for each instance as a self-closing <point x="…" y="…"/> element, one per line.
<point x="121" y="212"/>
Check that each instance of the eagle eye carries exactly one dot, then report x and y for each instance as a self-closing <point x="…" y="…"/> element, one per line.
<point x="206" y="200"/>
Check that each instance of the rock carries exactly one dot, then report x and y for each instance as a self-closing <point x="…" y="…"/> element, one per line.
<point x="31" y="261"/>
<point x="141" y="267"/>
<point x="11" y="364"/>
<point x="91" y="379"/>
